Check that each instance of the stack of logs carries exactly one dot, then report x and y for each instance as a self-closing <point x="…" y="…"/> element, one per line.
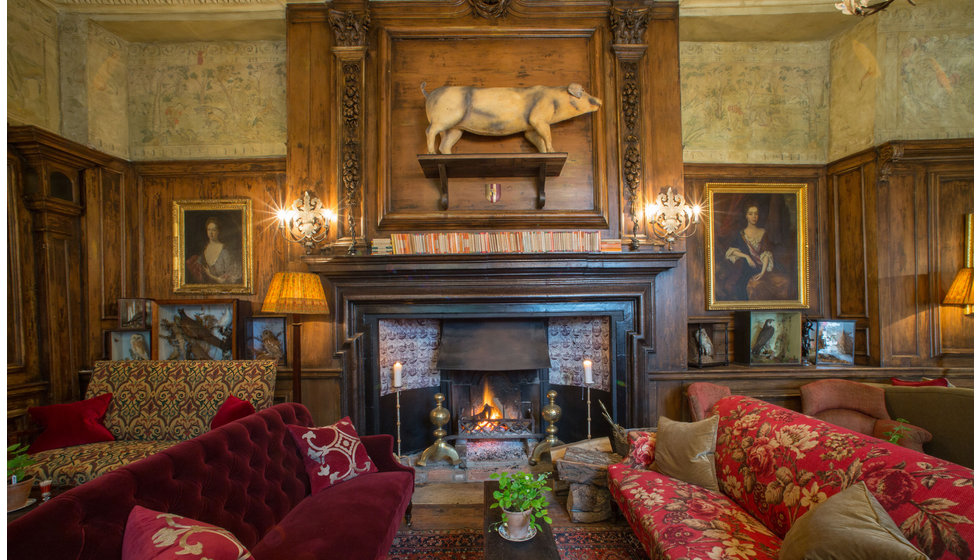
<point x="586" y="472"/>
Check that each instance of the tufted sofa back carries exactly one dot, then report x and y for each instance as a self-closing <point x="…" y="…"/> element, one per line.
<point x="244" y="476"/>
<point x="158" y="400"/>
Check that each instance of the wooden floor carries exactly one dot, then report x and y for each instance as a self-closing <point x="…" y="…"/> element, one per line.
<point x="446" y="506"/>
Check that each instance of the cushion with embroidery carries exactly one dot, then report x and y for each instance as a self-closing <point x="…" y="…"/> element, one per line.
<point x="332" y="454"/>
<point x="154" y="535"/>
<point x="232" y="409"/>
<point x="71" y="424"/>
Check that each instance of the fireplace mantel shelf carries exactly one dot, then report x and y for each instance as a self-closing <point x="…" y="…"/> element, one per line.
<point x="496" y="264"/>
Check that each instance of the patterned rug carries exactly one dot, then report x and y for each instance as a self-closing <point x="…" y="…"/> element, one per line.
<point x="573" y="544"/>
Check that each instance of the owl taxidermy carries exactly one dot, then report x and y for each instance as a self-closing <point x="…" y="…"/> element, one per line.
<point x="703" y="342"/>
<point x="138" y="350"/>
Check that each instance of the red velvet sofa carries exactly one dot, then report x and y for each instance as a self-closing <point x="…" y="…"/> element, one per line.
<point x="773" y="465"/>
<point x="247" y="477"/>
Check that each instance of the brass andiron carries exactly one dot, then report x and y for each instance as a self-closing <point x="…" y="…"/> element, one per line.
<point x="439" y="449"/>
<point x="550" y="413"/>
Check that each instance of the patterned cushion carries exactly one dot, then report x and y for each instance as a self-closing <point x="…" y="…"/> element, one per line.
<point x="331" y="454"/>
<point x="674" y="519"/>
<point x="70" y="466"/>
<point x="641" y="449"/>
<point x="153" y="535"/>
<point x="176" y="400"/>
<point x="777" y="464"/>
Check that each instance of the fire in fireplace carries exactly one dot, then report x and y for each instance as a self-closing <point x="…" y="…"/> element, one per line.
<point x="488" y="415"/>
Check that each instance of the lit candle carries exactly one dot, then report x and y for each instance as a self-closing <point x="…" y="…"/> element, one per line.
<point x="397" y="370"/>
<point x="587" y="366"/>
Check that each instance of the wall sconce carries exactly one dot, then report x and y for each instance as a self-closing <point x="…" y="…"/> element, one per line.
<point x="861" y="7"/>
<point x="672" y="218"/>
<point x="306" y="222"/>
<point x="960" y="293"/>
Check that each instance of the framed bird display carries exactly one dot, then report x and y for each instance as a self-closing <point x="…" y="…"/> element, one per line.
<point x="195" y="329"/>
<point x="707" y="344"/>
<point x="768" y="337"/>
<point x="265" y="338"/>
<point x="834" y="343"/>
<point x="128" y="345"/>
<point x="135" y="314"/>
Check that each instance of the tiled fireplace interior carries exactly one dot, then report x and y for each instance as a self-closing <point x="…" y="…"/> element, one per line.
<point x="495" y="415"/>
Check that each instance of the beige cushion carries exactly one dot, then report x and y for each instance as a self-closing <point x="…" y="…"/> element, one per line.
<point x="686" y="450"/>
<point x="850" y="525"/>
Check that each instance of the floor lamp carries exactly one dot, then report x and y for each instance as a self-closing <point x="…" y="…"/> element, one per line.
<point x="296" y="293"/>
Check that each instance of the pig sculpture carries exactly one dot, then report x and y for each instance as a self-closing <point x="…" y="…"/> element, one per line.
<point x="501" y="111"/>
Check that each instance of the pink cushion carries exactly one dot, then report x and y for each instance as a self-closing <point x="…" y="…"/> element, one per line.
<point x="232" y="409"/>
<point x="71" y="423"/>
<point x="152" y="535"/>
<point x="840" y="393"/>
<point x="938" y="382"/>
<point x="331" y="454"/>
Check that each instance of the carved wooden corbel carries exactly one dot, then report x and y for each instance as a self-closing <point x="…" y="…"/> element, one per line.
<point x="490" y="9"/>
<point x="628" y="27"/>
<point x="887" y="156"/>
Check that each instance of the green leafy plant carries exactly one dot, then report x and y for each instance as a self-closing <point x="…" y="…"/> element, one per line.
<point x="17" y="461"/>
<point x="521" y="491"/>
<point x="898" y="431"/>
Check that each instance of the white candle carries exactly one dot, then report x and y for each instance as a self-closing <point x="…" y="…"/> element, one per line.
<point x="587" y="366"/>
<point x="397" y="370"/>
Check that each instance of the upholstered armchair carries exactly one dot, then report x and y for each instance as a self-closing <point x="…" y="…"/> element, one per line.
<point x="857" y="407"/>
<point x="701" y="395"/>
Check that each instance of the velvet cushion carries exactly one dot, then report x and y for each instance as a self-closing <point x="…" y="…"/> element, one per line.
<point x="938" y="382"/>
<point x="232" y="409"/>
<point x="152" y="535"/>
<point x="331" y="454"/>
<point x="850" y="525"/>
<point x="686" y="450"/>
<point x="71" y="423"/>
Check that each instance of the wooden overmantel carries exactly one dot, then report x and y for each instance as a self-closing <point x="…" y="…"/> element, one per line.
<point x="362" y="289"/>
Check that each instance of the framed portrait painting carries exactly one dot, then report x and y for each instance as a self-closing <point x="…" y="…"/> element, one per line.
<point x="756" y="246"/>
<point x="213" y="246"/>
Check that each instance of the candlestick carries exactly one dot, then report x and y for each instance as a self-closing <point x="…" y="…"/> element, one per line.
<point x="587" y="366"/>
<point x="397" y="370"/>
<point x="398" y="419"/>
<point x="588" y="411"/>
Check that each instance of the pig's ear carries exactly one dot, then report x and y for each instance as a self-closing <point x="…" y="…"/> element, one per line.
<point x="576" y="90"/>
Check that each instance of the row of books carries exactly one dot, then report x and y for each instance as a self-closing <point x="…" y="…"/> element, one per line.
<point x="491" y="242"/>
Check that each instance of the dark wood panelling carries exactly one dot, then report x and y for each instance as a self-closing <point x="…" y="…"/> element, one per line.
<point x="952" y="200"/>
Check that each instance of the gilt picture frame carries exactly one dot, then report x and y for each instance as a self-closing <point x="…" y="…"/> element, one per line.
<point x="213" y="246"/>
<point x="756" y="253"/>
<point x="195" y="329"/>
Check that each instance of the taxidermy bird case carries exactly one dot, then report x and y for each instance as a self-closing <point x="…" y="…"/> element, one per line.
<point x="768" y="337"/>
<point x="707" y="344"/>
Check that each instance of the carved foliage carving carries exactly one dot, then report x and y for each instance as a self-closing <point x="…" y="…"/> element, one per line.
<point x="350" y="28"/>
<point x="632" y="162"/>
<point x="629" y="25"/>
<point x="351" y="147"/>
<point x="489" y="9"/>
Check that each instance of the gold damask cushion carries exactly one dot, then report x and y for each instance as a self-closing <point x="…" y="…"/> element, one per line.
<point x="850" y="525"/>
<point x="686" y="450"/>
<point x="71" y="466"/>
<point x="176" y="400"/>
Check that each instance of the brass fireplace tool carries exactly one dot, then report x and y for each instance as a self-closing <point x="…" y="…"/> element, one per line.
<point x="550" y="413"/>
<point x="440" y="449"/>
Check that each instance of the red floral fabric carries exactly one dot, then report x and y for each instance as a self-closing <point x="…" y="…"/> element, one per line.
<point x="331" y="454"/>
<point x="777" y="464"/>
<point x="674" y="519"/>
<point x="152" y="535"/>
<point x="641" y="449"/>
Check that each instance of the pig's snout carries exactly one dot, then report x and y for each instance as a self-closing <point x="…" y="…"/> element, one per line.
<point x="594" y="102"/>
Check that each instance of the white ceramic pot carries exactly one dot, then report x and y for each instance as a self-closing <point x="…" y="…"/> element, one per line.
<point x="17" y="494"/>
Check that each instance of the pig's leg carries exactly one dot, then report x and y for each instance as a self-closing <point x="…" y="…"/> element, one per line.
<point x="449" y="139"/>
<point x="430" y="138"/>
<point x="536" y="139"/>
<point x="544" y="131"/>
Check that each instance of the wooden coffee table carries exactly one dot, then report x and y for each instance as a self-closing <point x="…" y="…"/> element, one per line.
<point x="541" y="547"/>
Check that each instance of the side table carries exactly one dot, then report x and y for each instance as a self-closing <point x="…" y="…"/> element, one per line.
<point x="541" y="547"/>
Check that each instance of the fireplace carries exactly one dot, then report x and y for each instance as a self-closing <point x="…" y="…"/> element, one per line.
<point x="615" y="289"/>
<point x="495" y="405"/>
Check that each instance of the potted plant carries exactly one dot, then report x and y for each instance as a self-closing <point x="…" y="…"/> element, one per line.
<point x="522" y="503"/>
<point x="18" y="484"/>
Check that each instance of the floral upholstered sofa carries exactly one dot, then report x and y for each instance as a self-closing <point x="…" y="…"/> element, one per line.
<point x="154" y="405"/>
<point x="772" y="466"/>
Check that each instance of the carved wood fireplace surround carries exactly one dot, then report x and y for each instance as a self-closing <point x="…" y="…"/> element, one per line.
<point x="363" y="290"/>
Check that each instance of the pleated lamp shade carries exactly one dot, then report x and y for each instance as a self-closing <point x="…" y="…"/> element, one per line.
<point x="295" y="292"/>
<point x="961" y="292"/>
